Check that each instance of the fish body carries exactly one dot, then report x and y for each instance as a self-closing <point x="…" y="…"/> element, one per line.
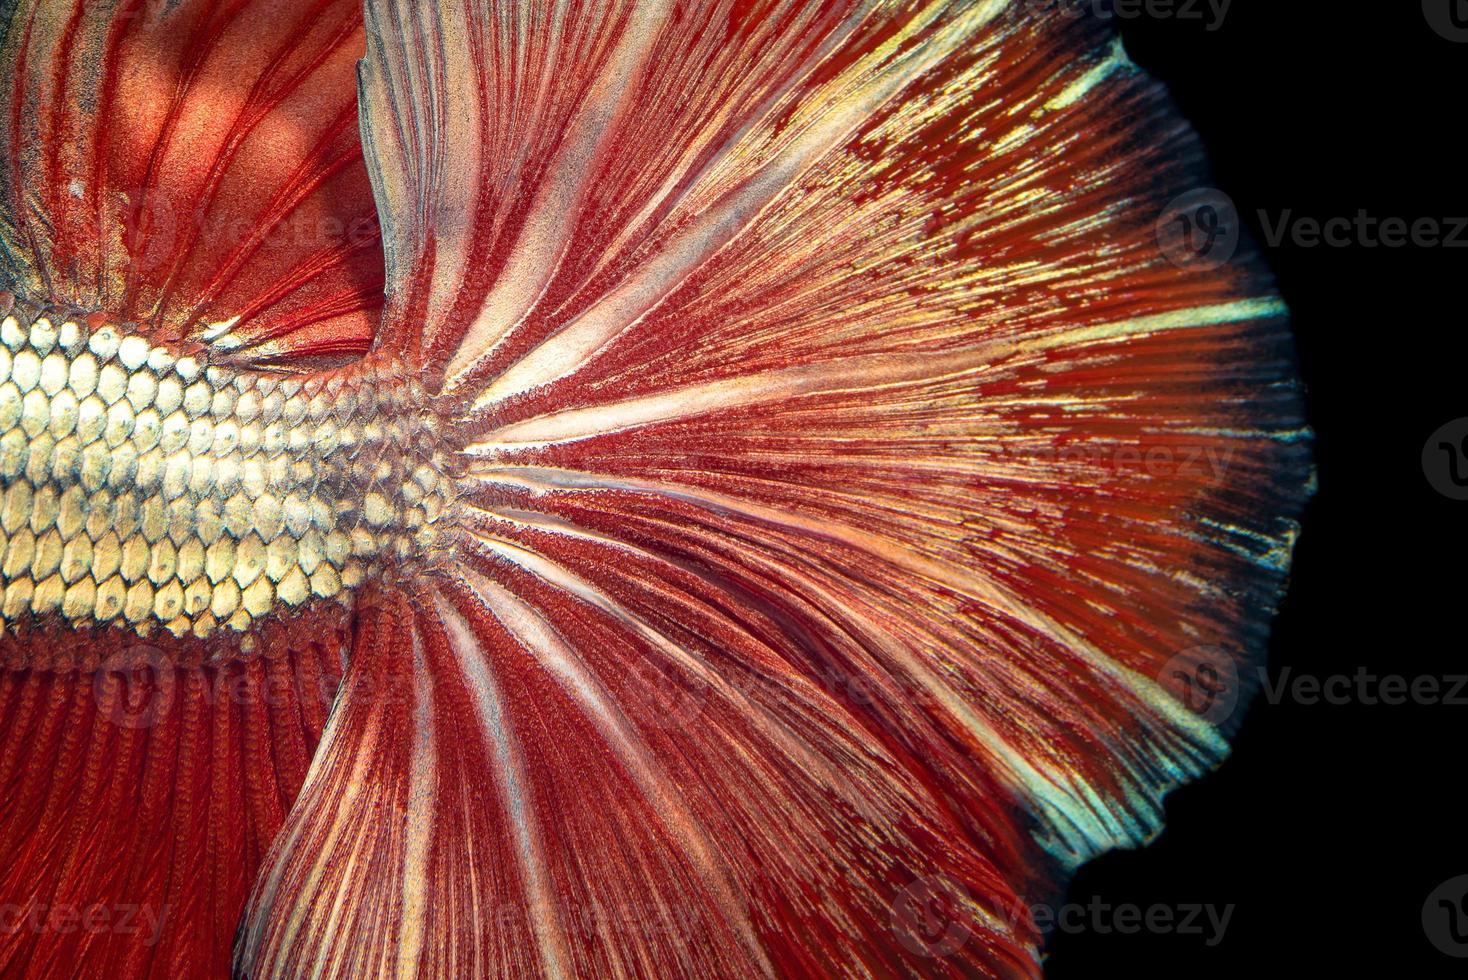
<point x="154" y="491"/>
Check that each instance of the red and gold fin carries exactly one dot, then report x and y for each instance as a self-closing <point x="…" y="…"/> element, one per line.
<point x="846" y="474"/>
<point x="194" y="168"/>
<point x="137" y="802"/>
<point x="495" y="797"/>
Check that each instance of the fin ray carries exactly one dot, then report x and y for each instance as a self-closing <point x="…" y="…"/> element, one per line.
<point x="145" y="799"/>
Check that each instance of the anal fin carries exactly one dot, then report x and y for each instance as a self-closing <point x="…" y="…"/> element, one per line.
<point x="136" y="804"/>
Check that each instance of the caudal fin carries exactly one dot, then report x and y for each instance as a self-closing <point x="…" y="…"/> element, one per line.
<point x="845" y="473"/>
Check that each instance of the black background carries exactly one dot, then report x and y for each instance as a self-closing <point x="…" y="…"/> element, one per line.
<point x="1330" y="825"/>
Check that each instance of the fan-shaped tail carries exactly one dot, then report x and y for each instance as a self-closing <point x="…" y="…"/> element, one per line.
<point x="844" y="470"/>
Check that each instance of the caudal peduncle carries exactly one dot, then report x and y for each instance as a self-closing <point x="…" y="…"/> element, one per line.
<point x="151" y="491"/>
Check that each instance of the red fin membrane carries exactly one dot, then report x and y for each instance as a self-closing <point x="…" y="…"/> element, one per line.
<point x="137" y="803"/>
<point x="193" y="167"/>
<point x="844" y="467"/>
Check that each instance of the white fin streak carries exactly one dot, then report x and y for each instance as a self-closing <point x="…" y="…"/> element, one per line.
<point x="537" y="635"/>
<point x="570" y="348"/>
<point x="571" y="583"/>
<point x="513" y="788"/>
<point x="945" y="575"/>
<point x="455" y="188"/>
<point x="860" y="373"/>
<point x="344" y="810"/>
<point x="422" y="811"/>
<point x="1054" y="792"/>
<point x="677" y="175"/>
<point x="543" y="239"/>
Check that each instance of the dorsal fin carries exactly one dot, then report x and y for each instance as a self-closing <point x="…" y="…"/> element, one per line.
<point x="194" y="168"/>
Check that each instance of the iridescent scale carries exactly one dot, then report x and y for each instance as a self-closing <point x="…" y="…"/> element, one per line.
<point x="156" y="491"/>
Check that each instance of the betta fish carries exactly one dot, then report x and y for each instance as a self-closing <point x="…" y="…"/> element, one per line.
<point x="589" y="488"/>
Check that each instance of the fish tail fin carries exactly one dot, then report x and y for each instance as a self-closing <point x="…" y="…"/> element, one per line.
<point x="472" y="812"/>
<point x="861" y="518"/>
